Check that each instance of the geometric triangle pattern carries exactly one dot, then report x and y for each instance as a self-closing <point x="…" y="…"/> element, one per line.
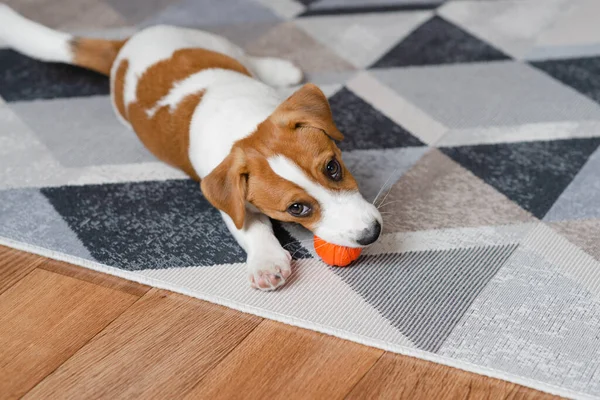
<point x="571" y="33"/>
<point x="349" y="7"/>
<point x="145" y="225"/>
<point x="578" y="201"/>
<point x="289" y="41"/>
<point x="61" y="133"/>
<point x="510" y="307"/>
<point x="391" y="165"/>
<point x="17" y="73"/>
<point x="366" y="127"/>
<point x="362" y="38"/>
<point x="203" y="14"/>
<point x="583" y="233"/>
<point x="472" y="125"/>
<point x="426" y="312"/>
<point x="438" y="41"/>
<point x="498" y="22"/>
<point x="521" y="171"/>
<point x="582" y="74"/>
<point x="439" y="193"/>
<point x="488" y="95"/>
<point x="150" y="225"/>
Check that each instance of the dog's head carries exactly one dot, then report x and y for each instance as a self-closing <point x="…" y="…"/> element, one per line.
<point x="291" y="170"/>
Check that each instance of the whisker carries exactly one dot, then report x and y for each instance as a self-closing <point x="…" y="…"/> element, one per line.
<point x="394" y="225"/>
<point x="294" y="253"/>
<point x="302" y="244"/>
<point x="383" y="186"/>
<point x="388" y="203"/>
<point x="298" y="242"/>
<point x="304" y="241"/>
<point x="384" y="198"/>
<point x="321" y="245"/>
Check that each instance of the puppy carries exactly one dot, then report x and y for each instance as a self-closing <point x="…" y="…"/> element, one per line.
<point x="199" y="103"/>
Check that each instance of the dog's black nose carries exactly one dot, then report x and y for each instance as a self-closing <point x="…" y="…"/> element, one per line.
<point x="370" y="234"/>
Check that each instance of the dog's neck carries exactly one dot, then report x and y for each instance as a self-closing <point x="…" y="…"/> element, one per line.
<point x="232" y="109"/>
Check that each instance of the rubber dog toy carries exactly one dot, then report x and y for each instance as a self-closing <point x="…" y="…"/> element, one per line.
<point x="337" y="256"/>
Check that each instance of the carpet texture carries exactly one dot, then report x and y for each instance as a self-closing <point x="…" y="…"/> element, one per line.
<point x="480" y="118"/>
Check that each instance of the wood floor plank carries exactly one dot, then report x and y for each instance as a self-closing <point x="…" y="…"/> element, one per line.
<point x="277" y="361"/>
<point x="14" y="265"/>
<point x="159" y="348"/>
<point x="44" y="319"/>
<point x="400" y="377"/>
<point x="170" y="345"/>
<point x="98" y="278"/>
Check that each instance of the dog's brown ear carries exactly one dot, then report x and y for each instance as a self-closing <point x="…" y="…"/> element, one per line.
<point x="226" y="186"/>
<point x="308" y="106"/>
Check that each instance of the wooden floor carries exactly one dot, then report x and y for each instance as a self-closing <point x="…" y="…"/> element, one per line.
<point x="67" y="332"/>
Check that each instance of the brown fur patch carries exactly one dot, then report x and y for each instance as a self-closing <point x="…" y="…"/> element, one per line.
<point x="96" y="54"/>
<point x="272" y="194"/>
<point x="310" y="149"/>
<point x="158" y="80"/>
<point x="307" y="107"/>
<point x="300" y="130"/>
<point x="167" y="133"/>
<point x="118" y="88"/>
<point x="226" y="186"/>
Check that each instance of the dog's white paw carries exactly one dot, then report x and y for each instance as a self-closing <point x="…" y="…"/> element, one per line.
<point x="278" y="72"/>
<point x="284" y="73"/>
<point x="269" y="270"/>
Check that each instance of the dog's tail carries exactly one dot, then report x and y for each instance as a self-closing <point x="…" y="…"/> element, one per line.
<point x="45" y="44"/>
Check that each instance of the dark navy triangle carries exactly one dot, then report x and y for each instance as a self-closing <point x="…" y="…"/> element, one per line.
<point x="24" y="79"/>
<point x="370" y="7"/>
<point x="532" y="174"/>
<point x="438" y="41"/>
<point x="307" y="2"/>
<point x="364" y="127"/>
<point x="287" y="241"/>
<point x="582" y="74"/>
<point x="152" y="224"/>
<point x="146" y="225"/>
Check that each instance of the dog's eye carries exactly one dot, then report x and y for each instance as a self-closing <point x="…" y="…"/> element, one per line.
<point x="334" y="170"/>
<point x="299" y="210"/>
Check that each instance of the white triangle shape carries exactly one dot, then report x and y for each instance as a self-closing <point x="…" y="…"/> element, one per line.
<point x="362" y="39"/>
<point x="315" y="298"/>
<point x="511" y="26"/>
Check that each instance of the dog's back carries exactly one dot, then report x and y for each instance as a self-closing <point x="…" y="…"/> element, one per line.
<point x="154" y="75"/>
<point x="192" y="99"/>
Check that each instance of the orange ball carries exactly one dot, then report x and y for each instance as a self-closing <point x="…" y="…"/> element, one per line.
<point x="337" y="256"/>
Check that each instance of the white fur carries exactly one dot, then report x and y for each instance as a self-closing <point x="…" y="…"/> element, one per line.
<point x="266" y="258"/>
<point x="232" y="106"/>
<point x="215" y="77"/>
<point x="190" y="85"/>
<point x="157" y="43"/>
<point x="275" y="71"/>
<point x="230" y="110"/>
<point x="345" y="215"/>
<point x="33" y="39"/>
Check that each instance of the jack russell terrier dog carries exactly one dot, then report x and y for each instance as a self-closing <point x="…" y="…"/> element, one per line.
<point x="201" y="104"/>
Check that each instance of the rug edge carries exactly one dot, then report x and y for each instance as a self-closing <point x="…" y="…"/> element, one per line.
<point x="382" y="345"/>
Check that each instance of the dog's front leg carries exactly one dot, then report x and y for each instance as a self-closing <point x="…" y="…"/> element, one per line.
<point x="269" y="264"/>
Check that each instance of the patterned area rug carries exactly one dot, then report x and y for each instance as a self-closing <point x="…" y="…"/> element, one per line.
<point x="480" y="118"/>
